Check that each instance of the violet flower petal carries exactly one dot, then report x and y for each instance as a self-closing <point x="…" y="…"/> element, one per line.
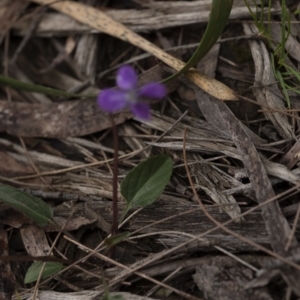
<point x="112" y="100"/>
<point x="153" y="90"/>
<point x="126" y="78"/>
<point x="141" y="110"/>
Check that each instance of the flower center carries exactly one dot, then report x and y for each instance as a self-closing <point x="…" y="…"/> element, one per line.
<point x="132" y="97"/>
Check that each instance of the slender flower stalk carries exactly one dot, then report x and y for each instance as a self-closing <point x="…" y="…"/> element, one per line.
<point x="126" y="95"/>
<point x="114" y="227"/>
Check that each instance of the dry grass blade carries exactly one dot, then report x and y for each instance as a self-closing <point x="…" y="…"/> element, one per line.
<point x="84" y="295"/>
<point x="264" y="88"/>
<point x="277" y="226"/>
<point x="98" y="20"/>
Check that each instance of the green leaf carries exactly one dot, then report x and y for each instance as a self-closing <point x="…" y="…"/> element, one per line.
<point x="218" y="18"/>
<point x="146" y="181"/>
<point x="34" y="208"/>
<point x="51" y="268"/>
<point x="20" y="85"/>
<point x="117" y="238"/>
<point x="283" y="86"/>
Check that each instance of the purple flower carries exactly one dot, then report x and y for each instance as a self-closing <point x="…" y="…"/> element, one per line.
<point x="127" y="95"/>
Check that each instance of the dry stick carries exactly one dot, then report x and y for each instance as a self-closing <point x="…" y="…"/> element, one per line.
<point x="35" y="168"/>
<point x="111" y="261"/>
<point x="220" y="225"/>
<point x="205" y="242"/>
<point x="98" y="20"/>
<point x="20" y="183"/>
<point x="169" y="277"/>
<point x="237" y="258"/>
